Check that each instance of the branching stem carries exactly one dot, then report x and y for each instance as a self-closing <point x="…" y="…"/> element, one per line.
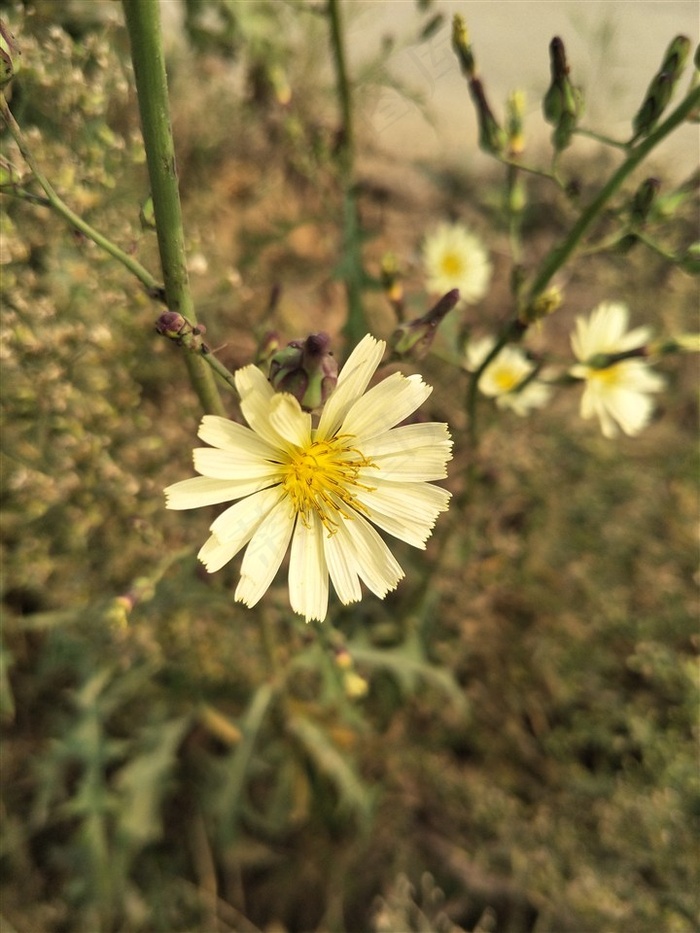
<point x="61" y="208"/>
<point x="143" y="25"/>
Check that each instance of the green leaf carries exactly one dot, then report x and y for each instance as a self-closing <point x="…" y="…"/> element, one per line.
<point x="353" y="795"/>
<point x="144" y="781"/>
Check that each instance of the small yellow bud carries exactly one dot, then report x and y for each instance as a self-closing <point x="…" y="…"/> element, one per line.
<point x="515" y="109"/>
<point x="355" y="686"/>
<point x="544" y="304"/>
<point x="462" y="46"/>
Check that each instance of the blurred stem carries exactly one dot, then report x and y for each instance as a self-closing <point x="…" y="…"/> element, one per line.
<point x="599" y="137"/>
<point x="352" y="269"/>
<point x="61" y="208"/>
<point x="145" y="37"/>
<point x="514" y="217"/>
<point x="346" y="148"/>
<point x="636" y="154"/>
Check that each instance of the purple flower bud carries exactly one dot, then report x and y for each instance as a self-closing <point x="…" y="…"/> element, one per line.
<point x="416" y="337"/>
<point x="305" y="369"/>
<point x="171" y="324"/>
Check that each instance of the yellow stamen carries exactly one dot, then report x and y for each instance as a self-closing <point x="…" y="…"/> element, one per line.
<point x="323" y="477"/>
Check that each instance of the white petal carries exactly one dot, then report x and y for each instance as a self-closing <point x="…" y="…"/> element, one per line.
<point x="635" y="338"/>
<point x="385" y="405"/>
<point x="631" y="410"/>
<point x="342" y="568"/>
<point x="249" y="380"/>
<point x="264" y="554"/>
<point x="375" y="563"/>
<point x="201" y="490"/>
<point x="477" y="351"/>
<point x="422" y="466"/>
<point x="308" y="573"/>
<point x="639" y="377"/>
<point x="233" y="524"/>
<point x="410" y="453"/>
<point x="213" y="554"/>
<point x="352" y="382"/>
<point x="407" y="438"/>
<point x="225" y="464"/>
<point x="228" y="435"/>
<point x="256" y="398"/>
<point x="289" y="421"/>
<point x="406" y="510"/>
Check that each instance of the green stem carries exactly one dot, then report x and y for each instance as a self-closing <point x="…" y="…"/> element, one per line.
<point x="143" y="25"/>
<point x="657" y="248"/>
<point x="599" y="137"/>
<point x="560" y="254"/>
<point x="347" y="144"/>
<point x="514" y="216"/>
<point x="353" y="272"/>
<point x="62" y="209"/>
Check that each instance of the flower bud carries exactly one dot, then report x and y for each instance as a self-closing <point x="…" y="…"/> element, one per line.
<point x="515" y="107"/>
<point x="462" y="46"/>
<point x="658" y="96"/>
<point x="415" y="337"/>
<point x="563" y="131"/>
<point x="679" y="343"/>
<point x="355" y="686"/>
<point x="390" y="276"/>
<point x="544" y="304"/>
<point x="676" y="57"/>
<point x="562" y="105"/>
<point x="517" y="197"/>
<point x="147" y="214"/>
<point x="343" y="659"/>
<point x="172" y="324"/>
<point x="492" y="138"/>
<point x="305" y="369"/>
<point x="267" y="347"/>
<point x="9" y="55"/>
<point x="662" y="85"/>
<point x="644" y="197"/>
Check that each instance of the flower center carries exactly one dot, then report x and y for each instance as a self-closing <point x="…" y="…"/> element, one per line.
<point x="506" y="379"/>
<point x="452" y="265"/>
<point x="323" y="477"/>
<point x="609" y="376"/>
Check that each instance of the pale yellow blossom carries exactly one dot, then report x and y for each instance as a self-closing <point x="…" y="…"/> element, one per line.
<point x="320" y="490"/>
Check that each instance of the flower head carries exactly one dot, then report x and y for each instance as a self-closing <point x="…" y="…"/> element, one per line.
<point x="617" y="394"/>
<point x="504" y="376"/>
<point x="322" y="488"/>
<point x="455" y="258"/>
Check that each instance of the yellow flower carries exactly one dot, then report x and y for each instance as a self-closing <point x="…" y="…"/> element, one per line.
<point x="618" y="394"/>
<point x="503" y="376"/>
<point x="455" y="258"/>
<point x="322" y="488"/>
